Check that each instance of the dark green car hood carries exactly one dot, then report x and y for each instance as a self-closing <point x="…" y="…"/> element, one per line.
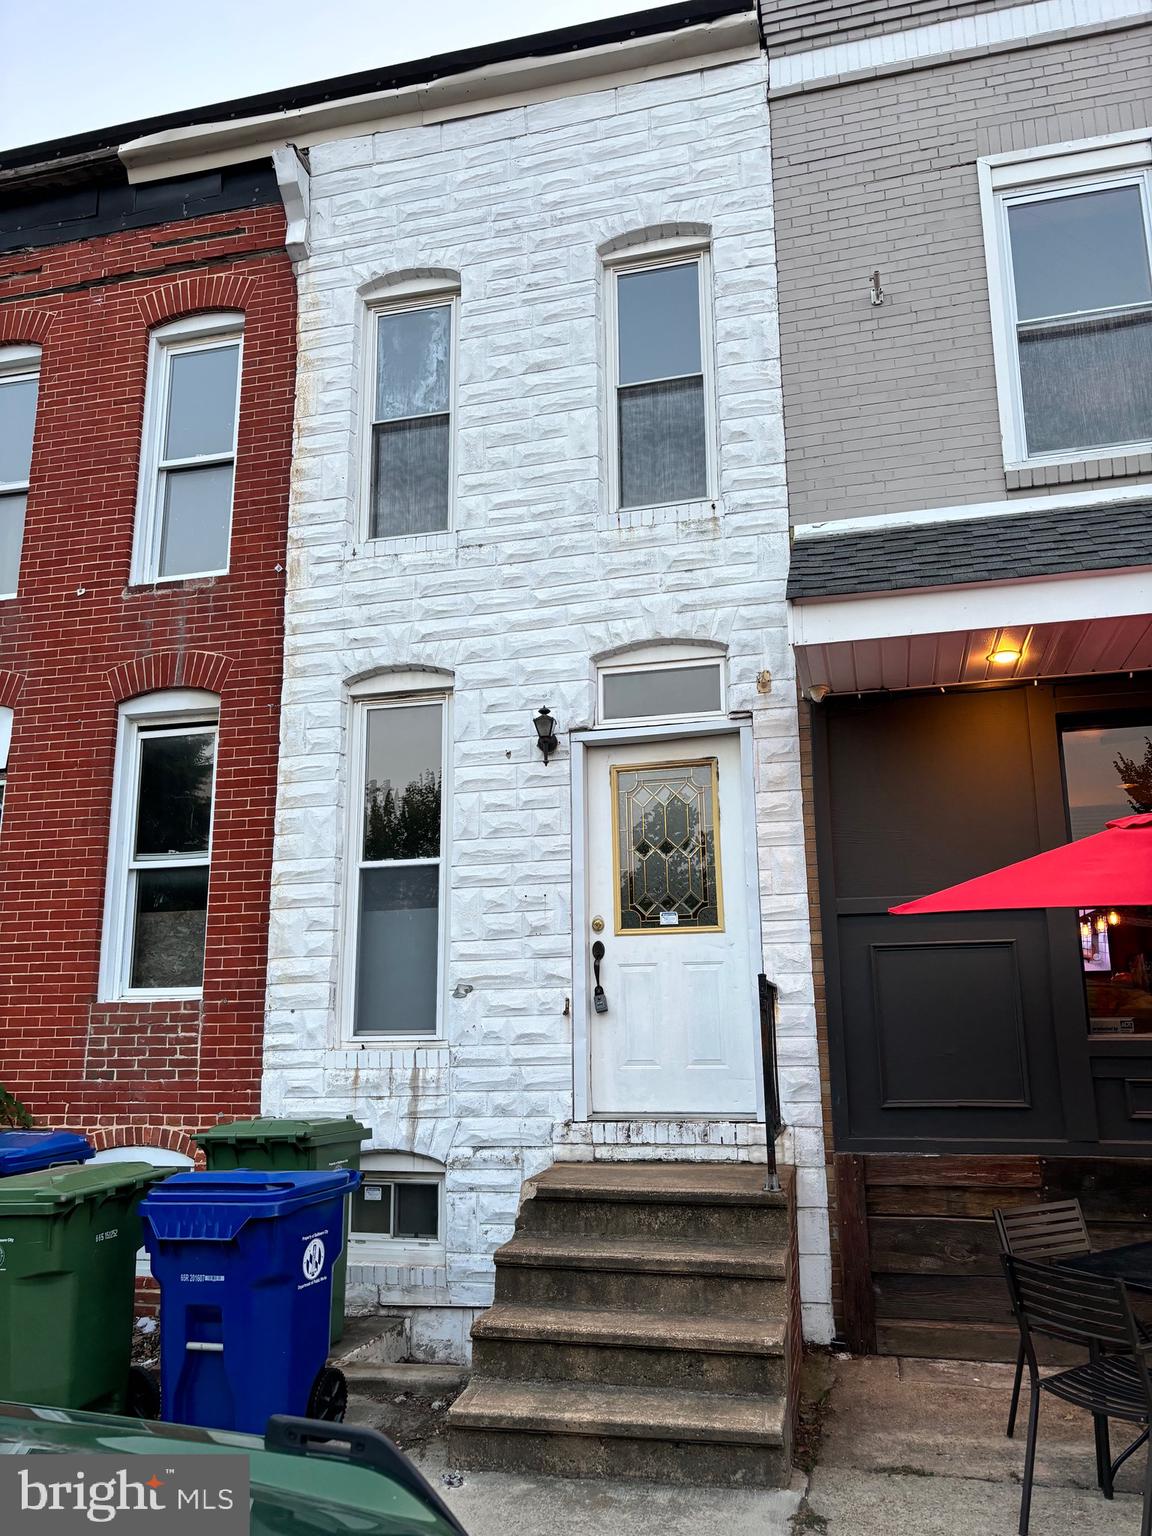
<point x="292" y="1495"/>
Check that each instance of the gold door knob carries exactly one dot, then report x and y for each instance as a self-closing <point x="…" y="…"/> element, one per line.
<point x="597" y="925"/>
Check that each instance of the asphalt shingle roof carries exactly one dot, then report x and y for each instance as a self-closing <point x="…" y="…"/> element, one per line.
<point x="978" y="549"/>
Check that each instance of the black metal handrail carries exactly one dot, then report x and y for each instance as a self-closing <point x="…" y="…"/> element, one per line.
<point x="773" y="1119"/>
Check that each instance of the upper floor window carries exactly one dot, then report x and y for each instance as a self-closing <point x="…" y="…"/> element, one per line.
<point x="156" y="906"/>
<point x="411" y="460"/>
<point x="188" y="457"/>
<point x="660" y="381"/>
<point x="19" y="383"/>
<point x="1072" y="282"/>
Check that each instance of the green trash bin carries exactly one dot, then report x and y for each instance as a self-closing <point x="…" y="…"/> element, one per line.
<point x="68" y="1244"/>
<point x="296" y="1145"/>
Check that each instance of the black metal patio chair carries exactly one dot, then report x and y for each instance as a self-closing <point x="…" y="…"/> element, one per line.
<point x="1113" y="1383"/>
<point x="1052" y="1231"/>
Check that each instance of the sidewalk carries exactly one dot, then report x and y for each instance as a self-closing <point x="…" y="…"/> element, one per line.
<point x="917" y="1447"/>
<point x="910" y="1448"/>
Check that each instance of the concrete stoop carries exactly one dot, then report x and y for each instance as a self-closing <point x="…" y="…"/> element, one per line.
<point x="643" y="1327"/>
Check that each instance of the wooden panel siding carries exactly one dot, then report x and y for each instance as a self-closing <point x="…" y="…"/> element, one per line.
<point x="922" y="1266"/>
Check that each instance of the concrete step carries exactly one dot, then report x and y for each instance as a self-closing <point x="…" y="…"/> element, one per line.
<point x="634" y="1275"/>
<point x="575" y="1430"/>
<point x="653" y="1219"/>
<point x="674" y="1183"/>
<point x="370" y="1342"/>
<point x="642" y="1349"/>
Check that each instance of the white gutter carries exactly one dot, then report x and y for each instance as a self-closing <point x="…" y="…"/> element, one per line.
<point x="516" y="82"/>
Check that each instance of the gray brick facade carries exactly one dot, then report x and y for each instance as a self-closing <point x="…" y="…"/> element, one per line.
<point x="895" y="408"/>
<point x="796" y="25"/>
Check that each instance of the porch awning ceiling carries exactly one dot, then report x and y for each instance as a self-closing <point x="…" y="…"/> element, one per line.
<point x="1069" y="648"/>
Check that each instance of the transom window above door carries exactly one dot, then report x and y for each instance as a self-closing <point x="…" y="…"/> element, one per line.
<point x="659" y="347"/>
<point x="411" y="449"/>
<point x="665" y="690"/>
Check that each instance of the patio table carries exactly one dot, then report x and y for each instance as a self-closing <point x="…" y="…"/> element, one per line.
<point x="1131" y="1263"/>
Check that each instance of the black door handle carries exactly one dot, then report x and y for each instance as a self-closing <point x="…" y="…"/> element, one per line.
<point x="599" y="1001"/>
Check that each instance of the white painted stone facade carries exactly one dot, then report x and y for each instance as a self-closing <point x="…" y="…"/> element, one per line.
<point x="538" y="577"/>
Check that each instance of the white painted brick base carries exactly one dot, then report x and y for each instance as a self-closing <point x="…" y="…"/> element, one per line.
<point x="537" y="577"/>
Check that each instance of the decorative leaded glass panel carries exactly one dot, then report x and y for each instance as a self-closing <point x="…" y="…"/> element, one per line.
<point x="666" y="827"/>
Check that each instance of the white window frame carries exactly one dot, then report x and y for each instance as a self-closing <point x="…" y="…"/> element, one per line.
<point x="374" y="1247"/>
<point x="397" y="298"/>
<point x="362" y="705"/>
<point x="6" y="720"/>
<point x="159" y="1157"/>
<point x="647" y="258"/>
<point x="662" y="663"/>
<point x="1053" y="170"/>
<point x="176" y="711"/>
<point x="18" y="364"/>
<point x="197" y="333"/>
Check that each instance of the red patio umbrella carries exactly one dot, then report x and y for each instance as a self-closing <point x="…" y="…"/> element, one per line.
<point x="1112" y="868"/>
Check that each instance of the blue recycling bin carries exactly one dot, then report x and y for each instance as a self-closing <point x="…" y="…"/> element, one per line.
<point x="33" y="1151"/>
<point x="244" y="1263"/>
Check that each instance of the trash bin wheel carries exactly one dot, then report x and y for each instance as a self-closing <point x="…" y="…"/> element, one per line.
<point x="328" y="1398"/>
<point x="143" y="1393"/>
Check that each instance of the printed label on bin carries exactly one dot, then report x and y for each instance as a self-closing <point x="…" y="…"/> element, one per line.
<point x="69" y="1494"/>
<point x="313" y="1261"/>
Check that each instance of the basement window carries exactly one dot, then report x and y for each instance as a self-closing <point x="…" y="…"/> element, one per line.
<point x="398" y="1207"/>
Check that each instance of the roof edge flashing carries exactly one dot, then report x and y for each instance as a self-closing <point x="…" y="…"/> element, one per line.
<point x="492" y="88"/>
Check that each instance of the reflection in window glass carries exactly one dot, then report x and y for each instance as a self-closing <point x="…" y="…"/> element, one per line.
<point x="1108" y="774"/>
<point x="410" y="435"/>
<point x="661" y="421"/>
<point x="404" y="1209"/>
<point x="17" y="423"/>
<point x="169" y="856"/>
<point x="398" y="944"/>
<point x="196" y="457"/>
<point x="663" y="691"/>
<point x="1083" y="286"/>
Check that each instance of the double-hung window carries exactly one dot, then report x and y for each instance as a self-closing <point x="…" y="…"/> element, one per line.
<point x="1071" y="262"/>
<point x="19" y="383"/>
<point x="399" y="897"/>
<point x="5" y="743"/>
<point x="661" y="383"/>
<point x="411" y="472"/>
<point x="188" y="456"/>
<point x="157" y="903"/>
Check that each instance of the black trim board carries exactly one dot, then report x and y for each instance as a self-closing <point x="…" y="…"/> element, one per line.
<point x="1010" y="547"/>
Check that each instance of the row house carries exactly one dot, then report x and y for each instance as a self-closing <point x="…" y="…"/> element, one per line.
<point x="963" y="214"/>
<point x="538" y="888"/>
<point x="146" y="394"/>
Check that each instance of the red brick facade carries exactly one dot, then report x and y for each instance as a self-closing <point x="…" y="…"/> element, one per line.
<point x="78" y="640"/>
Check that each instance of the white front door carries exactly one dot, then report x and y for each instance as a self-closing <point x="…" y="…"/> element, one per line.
<point x="668" y="899"/>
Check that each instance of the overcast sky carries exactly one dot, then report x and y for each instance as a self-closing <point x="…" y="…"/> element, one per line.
<point x="71" y="65"/>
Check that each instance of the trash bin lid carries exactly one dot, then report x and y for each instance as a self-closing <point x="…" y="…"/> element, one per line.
<point x="310" y="1132"/>
<point x="212" y="1207"/>
<point x="31" y="1194"/>
<point x="25" y="1151"/>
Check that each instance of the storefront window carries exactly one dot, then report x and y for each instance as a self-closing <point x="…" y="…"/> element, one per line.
<point x="1108" y="773"/>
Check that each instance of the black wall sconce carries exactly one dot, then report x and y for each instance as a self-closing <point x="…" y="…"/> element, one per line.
<point x="545" y="732"/>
